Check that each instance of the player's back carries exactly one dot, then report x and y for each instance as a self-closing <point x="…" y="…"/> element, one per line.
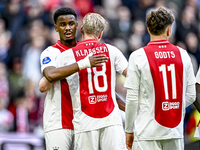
<point x="164" y="70"/>
<point x="93" y="89"/>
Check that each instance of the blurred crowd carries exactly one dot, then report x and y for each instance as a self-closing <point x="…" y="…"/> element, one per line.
<point x="27" y="28"/>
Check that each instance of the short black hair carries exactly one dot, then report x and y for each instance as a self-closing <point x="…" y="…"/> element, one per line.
<point x="63" y="11"/>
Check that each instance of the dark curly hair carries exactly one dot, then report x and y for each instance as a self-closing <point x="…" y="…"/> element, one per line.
<point x="63" y="11"/>
<point x="158" y="20"/>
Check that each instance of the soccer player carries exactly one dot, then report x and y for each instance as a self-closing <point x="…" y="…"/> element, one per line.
<point x="160" y="84"/>
<point x="58" y="113"/>
<point x="97" y="120"/>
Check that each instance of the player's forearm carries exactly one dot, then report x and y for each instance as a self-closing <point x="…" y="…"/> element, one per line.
<point x="124" y="72"/>
<point x="120" y="102"/>
<point x="60" y="73"/>
<point x="44" y="85"/>
<point x="131" y="109"/>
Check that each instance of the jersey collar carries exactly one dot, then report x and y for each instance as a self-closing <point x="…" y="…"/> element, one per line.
<point x="159" y="42"/>
<point x="62" y="46"/>
<point x="87" y="41"/>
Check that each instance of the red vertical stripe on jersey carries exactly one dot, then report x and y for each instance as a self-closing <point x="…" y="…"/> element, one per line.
<point x="167" y="72"/>
<point x="66" y="106"/>
<point x="95" y="83"/>
<point x="66" y="103"/>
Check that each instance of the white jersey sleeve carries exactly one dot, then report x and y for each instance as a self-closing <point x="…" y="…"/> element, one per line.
<point x="190" y="88"/>
<point x="48" y="57"/>
<point x="132" y="85"/>
<point x="120" y="61"/>
<point x="198" y="76"/>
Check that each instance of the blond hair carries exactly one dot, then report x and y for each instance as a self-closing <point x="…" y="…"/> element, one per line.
<point x="93" y="23"/>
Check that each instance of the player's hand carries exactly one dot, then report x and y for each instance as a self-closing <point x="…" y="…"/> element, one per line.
<point x="92" y="61"/>
<point x="97" y="60"/>
<point x="129" y="140"/>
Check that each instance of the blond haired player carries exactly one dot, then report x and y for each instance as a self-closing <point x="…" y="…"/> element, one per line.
<point x="97" y="119"/>
<point x="58" y="113"/>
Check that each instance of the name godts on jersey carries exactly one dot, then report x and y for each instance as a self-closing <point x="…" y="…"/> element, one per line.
<point x="95" y="50"/>
<point x="164" y="54"/>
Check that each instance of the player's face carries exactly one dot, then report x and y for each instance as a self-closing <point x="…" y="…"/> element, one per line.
<point x="66" y="27"/>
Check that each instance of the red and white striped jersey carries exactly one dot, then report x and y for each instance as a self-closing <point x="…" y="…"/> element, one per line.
<point x="93" y="89"/>
<point x="58" y="111"/>
<point x="162" y="79"/>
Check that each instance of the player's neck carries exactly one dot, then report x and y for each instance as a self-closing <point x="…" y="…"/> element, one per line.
<point x="158" y="37"/>
<point x="69" y="44"/>
<point x="164" y="36"/>
<point x="88" y="37"/>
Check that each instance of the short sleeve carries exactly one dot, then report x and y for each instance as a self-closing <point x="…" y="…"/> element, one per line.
<point x="133" y="76"/>
<point x="48" y="57"/>
<point x="119" y="60"/>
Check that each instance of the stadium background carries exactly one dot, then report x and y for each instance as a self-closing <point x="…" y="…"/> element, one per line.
<point x="27" y="28"/>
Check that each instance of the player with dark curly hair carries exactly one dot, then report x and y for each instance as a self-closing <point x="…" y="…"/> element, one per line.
<point x="160" y="85"/>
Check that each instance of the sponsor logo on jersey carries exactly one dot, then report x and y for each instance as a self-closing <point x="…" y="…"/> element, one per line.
<point x="166" y="54"/>
<point x="92" y="99"/>
<point x="46" y="60"/>
<point x="99" y="98"/>
<point x="170" y="105"/>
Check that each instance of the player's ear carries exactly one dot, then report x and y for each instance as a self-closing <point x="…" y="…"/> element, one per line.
<point x="55" y="27"/>
<point x="81" y="30"/>
<point x="169" y="30"/>
<point x="100" y="35"/>
<point x="148" y="30"/>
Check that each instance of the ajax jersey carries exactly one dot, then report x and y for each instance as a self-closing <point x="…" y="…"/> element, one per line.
<point x="93" y="89"/>
<point x="167" y="72"/>
<point x="95" y="83"/>
<point x="58" y="111"/>
<point x="161" y="78"/>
